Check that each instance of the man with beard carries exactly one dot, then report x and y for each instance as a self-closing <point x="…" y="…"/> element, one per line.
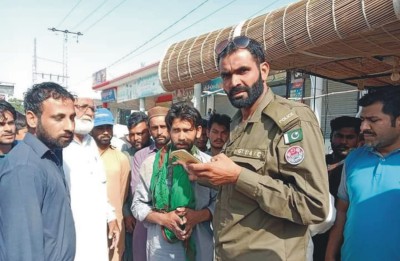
<point x="160" y="135"/>
<point x="138" y="136"/>
<point x="345" y="131"/>
<point x="117" y="173"/>
<point x="7" y="128"/>
<point x="36" y="220"/>
<point x="201" y="143"/>
<point x="368" y="204"/>
<point x="272" y="177"/>
<point x="178" y="212"/>
<point x="86" y="179"/>
<point x="218" y="132"/>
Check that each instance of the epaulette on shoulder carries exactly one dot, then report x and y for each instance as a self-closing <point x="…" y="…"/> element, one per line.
<point x="282" y="114"/>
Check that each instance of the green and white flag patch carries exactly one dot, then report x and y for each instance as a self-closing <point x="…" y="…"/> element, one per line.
<point x="293" y="136"/>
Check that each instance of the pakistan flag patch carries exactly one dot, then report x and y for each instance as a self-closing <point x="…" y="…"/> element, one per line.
<point x="293" y="136"/>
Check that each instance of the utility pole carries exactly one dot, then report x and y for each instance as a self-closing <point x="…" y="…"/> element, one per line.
<point x="65" y="51"/>
<point x="34" y="65"/>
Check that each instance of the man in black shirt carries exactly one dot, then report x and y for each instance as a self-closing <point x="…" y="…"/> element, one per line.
<point x="345" y="133"/>
<point x="35" y="214"/>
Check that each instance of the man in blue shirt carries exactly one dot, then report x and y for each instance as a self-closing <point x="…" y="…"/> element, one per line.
<point x="35" y="214"/>
<point x="368" y="206"/>
<point x="7" y="128"/>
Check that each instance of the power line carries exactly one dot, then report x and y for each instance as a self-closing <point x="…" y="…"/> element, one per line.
<point x="262" y="9"/>
<point x="104" y="16"/>
<point x="69" y="13"/>
<point x="89" y="15"/>
<point x="160" y="33"/>
<point x="163" y="41"/>
<point x="48" y="60"/>
<point x="184" y="29"/>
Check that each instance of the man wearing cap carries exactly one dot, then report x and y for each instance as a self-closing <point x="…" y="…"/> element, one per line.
<point x="86" y="179"/>
<point x="117" y="172"/>
<point x="160" y="135"/>
<point x="345" y="132"/>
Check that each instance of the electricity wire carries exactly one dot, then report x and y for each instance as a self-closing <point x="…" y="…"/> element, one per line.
<point x="69" y="13"/>
<point x="89" y="15"/>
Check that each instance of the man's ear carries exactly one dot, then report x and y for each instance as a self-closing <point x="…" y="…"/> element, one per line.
<point x="264" y="70"/>
<point x="31" y="119"/>
<point x="198" y="131"/>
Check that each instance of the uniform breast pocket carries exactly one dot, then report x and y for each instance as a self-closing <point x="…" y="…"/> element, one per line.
<point x="253" y="164"/>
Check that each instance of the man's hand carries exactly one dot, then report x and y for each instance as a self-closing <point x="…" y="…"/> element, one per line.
<point x="173" y="222"/>
<point x="191" y="218"/>
<point x="113" y="233"/>
<point x="221" y="170"/>
<point x="130" y="223"/>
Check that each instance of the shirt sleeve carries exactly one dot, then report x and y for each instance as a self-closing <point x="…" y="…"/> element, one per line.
<point x="297" y="190"/>
<point x="142" y="201"/>
<point x="135" y="174"/>
<point x="342" y="191"/>
<point x="21" y="220"/>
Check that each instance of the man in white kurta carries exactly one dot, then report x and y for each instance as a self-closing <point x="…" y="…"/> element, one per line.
<point x="86" y="180"/>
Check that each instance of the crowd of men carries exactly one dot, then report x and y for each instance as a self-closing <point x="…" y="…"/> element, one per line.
<point x="257" y="188"/>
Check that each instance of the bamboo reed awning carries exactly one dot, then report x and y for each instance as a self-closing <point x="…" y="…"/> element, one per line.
<point x="353" y="41"/>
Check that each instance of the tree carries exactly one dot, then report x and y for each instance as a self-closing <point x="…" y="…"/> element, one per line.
<point x="17" y="104"/>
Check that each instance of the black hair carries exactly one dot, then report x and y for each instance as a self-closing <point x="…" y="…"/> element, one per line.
<point x="388" y="96"/>
<point x="345" y="122"/>
<point x="183" y="111"/>
<point x="135" y="118"/>
<point x="254" y="47"/>
<point x="204" y="123"/>
<point x="6" y="106"/>
<point x="36" y="95"/>
<point x="221" y="119"/>
<point x="20" y="121"/>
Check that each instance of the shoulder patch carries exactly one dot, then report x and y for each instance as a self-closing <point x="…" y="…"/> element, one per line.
<point x="293" y="136"/>
<point x="283" y="116"/>
<point x="294" y="155"/>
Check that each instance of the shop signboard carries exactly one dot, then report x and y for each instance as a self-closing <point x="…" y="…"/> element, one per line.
<point x="212" y="85"/>
<point x="141" y="87"/>
<point x="108" y="95"/>
<point x="296" y="85"/>
<point x="99" y="77"/>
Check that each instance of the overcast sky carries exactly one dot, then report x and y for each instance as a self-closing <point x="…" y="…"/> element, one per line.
<point x="111" y="30"/>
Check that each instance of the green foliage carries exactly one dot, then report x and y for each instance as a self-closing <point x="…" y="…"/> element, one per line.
<point x="17" y="104"/>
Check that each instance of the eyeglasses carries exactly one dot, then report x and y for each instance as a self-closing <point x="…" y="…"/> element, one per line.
<point x="84" y="107"/>
<point x="240" y="42"/>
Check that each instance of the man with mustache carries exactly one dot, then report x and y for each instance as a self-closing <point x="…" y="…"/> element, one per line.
<point x="201" y="142"/>
<point x="218" y="132"/>
<point x="368" y="204"/>
<point x="272" y="177"/>
<point x="36" y="220"/>
<point x="117" y="170"/>
<point x="159" y="133"/>
<point x="138" y="136"/>
<point x="86" y="179"/>
<point x="7" y="128"/>
<point x="177" y="212"/>
<point x="345" y="131"/>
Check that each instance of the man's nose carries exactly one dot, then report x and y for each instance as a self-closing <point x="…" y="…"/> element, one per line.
<point x="236" y="81"/>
